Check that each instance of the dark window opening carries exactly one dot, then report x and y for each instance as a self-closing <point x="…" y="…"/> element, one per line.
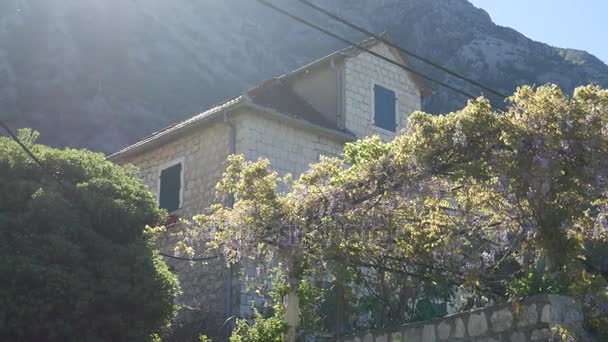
<point x="170" y="188"/>
<point x="385" y="108"/>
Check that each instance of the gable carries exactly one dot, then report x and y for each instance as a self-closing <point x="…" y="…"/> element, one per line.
<point x="395" y="55"/>
<point x="379" y="96"/>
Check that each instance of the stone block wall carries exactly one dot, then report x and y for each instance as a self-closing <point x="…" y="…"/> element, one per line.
<point x="528" y="320"/>
<point x="361" y="73"/>
<point x="290" y="149"/>
<point x="204" y="154"/>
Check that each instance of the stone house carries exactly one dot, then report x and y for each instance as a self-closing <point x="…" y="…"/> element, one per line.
<point x="291" y="120"/>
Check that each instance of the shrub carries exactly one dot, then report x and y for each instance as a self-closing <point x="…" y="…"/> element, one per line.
<point x="75" y="261"/>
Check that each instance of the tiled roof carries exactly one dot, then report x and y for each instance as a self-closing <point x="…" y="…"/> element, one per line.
<point x="181" y="125"/>
<point x="275" y="94"/>
<point x="280" y="96"/>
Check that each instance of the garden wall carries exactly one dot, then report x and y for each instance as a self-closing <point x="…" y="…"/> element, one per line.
<point x="527" y="320"/>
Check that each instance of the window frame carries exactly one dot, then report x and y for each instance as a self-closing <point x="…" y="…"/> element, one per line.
<point x="375" y="83"/>
<point x="165" y="166"/>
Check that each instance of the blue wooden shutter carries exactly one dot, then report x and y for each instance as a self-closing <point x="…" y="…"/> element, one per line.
<point x="170" y="187"/>
<point x="385" y="111"/>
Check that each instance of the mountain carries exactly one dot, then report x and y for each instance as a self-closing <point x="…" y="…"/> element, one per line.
<point x="103" y="73"/>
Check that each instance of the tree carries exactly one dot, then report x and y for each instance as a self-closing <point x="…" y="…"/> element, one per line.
<point x="75" y="261"/>
<point x="499" y="204"/>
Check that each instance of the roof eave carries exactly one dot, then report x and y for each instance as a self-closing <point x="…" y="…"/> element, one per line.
<point x="155" y="141"/>
<point x="342" y="136"/>
<point x="147" y="145"/>
<point x="313" y="65"/>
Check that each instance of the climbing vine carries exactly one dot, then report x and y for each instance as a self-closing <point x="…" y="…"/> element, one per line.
<point x="470" y="207"/>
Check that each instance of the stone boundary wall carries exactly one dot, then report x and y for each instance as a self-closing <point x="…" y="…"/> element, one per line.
<point x="527" y="320"/>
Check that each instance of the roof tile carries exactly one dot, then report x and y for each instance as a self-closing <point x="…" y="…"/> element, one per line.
<point x="280" y="96"/>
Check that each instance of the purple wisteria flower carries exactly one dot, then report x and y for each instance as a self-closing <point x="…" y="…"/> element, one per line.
<point x="503" y="235"/>
<point x="542" y="161"/>
<point x="459" y="138"/>
<point x="488" y="257"/>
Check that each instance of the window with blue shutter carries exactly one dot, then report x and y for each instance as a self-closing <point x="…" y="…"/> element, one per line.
<point x="170" y="187"/>
<point x="385" y="111"/>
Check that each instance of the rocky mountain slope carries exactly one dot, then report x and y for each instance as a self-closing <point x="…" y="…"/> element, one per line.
<point x="103" y="73"/>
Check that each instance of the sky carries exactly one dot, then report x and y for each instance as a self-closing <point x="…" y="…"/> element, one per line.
<point x="577" y="24"/>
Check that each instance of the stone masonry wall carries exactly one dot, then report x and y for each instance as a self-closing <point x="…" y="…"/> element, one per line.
<point x="528" y="320"/>
<point x="204" y="155"/>
<point x="290" y="149"/>
<point x="361" y="72"/>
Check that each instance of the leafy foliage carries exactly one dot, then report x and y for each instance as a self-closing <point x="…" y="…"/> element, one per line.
<point x="562" y="334"/>
<point x="204" y="338"/>
<point x="271" y="329"/>
<point x="467" y="201"/>
<point x="75" y="259"/>
<point x="535" y="282"/>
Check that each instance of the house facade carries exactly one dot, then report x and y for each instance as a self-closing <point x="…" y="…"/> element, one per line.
<point x="292" y="120"/>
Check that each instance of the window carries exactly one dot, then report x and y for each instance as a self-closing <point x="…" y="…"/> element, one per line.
<point x="385" y="108"/>
<point x="170" y="186"/>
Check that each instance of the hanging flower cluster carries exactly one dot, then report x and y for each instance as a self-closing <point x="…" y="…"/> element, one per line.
<point x="469" y="200"/>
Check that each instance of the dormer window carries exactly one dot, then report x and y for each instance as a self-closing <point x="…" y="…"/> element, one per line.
<point x="385" y="108"/>
<point x="170" y="183"/>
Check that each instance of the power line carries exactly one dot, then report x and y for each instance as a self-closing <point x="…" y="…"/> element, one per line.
<point x="405" y="51"/>
<point x="31" y="154"/>
<point x="331" y="34"/>
<point x="64" y="187"/>
<point x="67" y="193"/>
<point x="362" y="48"/>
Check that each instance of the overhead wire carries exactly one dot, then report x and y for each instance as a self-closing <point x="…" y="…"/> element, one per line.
<point x="41" y="165"/>
<point x="363" y="48"/>
<point x="403" y="50"/>
<point x="328" y="33"/>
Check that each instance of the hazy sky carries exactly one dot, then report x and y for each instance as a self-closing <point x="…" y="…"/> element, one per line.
<point x="578" y="24"/>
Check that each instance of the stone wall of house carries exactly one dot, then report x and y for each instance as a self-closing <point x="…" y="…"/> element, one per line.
<point x="361" y="73"/>
<point x="528" y="320"/>
<point x="290" y="149"/>
<point x="204" y="155"/>
<point x="204" y="152"/>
